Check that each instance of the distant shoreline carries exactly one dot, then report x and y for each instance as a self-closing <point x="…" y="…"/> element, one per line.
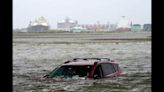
<point x="80" y="38"/>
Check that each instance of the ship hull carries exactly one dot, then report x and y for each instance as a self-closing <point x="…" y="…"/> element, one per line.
<point x="38" y="28"/>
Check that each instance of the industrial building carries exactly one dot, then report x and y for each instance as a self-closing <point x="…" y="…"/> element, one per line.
<point x="147" y="27"/>
<point x="136" y="28"/>
<point x="112" y="27"/>
<point x="96" y="27"/>
<point x="38" y="25"/>
<point x="66" y="24"/>
<point x="77" y="29"/>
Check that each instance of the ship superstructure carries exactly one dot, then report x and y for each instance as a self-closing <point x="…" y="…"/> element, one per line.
<point x="38" y="25"/>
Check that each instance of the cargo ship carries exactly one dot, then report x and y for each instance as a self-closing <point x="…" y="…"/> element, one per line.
<point x="38" y="25"/>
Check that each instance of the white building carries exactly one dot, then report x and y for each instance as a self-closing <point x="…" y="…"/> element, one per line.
<point x="124" y="24"/>
<point x="66" y="24"/>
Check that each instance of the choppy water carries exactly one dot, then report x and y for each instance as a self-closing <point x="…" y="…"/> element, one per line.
<point x="32" y="61"/>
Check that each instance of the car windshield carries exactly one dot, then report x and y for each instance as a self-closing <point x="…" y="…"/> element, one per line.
<point x="71" y="71"/>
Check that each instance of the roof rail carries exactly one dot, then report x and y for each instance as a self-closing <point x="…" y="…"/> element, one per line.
<point x="75" y="59"/>
<point x="91" y="58"/>
<point x="66" y="62"/>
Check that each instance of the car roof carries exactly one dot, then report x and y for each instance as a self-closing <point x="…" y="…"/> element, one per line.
<point x="81" y="62"/>
<point x="88" y="61"/>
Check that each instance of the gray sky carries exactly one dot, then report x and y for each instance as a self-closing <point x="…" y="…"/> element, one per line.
<point x="85" y="11"/>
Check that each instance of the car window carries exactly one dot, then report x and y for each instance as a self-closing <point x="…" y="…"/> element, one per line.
<point x="108" y="68"/>
<point x="116" y="67"/>
<point x="70" y="71"/>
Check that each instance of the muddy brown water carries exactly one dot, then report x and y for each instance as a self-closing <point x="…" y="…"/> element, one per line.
<point x="31" y="61"/>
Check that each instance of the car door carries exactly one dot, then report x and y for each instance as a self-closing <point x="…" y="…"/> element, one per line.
<point x="108" y="70"/>
<point x="98" y="72"/>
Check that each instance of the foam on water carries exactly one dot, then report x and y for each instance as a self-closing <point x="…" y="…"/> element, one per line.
<point x="32" y="61"/>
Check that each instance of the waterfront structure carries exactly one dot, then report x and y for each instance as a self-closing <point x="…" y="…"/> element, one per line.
<point x="20" y="30"/>
<point x="147" y="27"/>
<point x="96" y="27"/>
<point x="77" y="29"/>
<point x="66" y="24"/>
<point x="38" y="25"/>
<point x="124" y="24"/>
<point x="136" y="28"/>
<point x="112" y="27"/>
<point x="16" y="30"/>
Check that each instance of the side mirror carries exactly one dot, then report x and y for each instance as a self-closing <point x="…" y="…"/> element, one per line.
<point x="95" y="76"/>
<point x="45" y="76"/>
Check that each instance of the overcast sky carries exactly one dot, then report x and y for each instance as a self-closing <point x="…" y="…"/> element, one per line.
<point x="85" y="11"/>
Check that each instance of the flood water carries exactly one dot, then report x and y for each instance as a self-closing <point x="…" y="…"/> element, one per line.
<point x="31" y="61"/>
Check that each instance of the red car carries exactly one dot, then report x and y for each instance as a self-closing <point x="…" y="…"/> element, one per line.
<point x="87" y="68"/>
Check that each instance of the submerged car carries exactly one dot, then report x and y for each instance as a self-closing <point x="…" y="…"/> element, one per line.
<point x="87" y="68"/>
